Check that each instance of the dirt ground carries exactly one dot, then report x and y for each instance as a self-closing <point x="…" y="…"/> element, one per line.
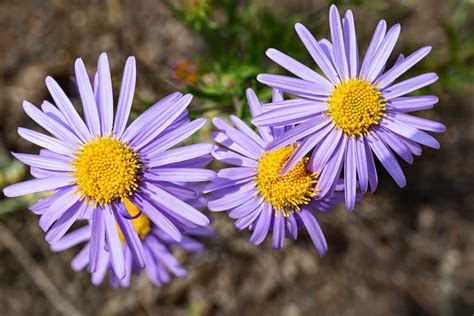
<point x="400" y="252"/>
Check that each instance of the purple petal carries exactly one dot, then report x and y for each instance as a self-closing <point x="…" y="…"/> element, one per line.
<point x="113" y="242"/>
<point x="387" y="159"/>
<point x="393" y="142"/>
<point x="238" y="137"/>
<point x="236" y="173"/>
<point x="87" y="211"/>
<point x="191" y="245"/>
<point x="246" y="208"/>
<point x="300" y="87"/>
<point x="325" y="151"/>
<point x="278" y="237"/>
<point x="371" y="171"/>
<point x="43" y="162"/>
<point x="45" y="173"/>
<point x="167" y="258"/>
<point x="224" y="140"/>
<point x="62" y="225"/>
<point x="219" y="183"/>
<point x="181" y="174"/>
<point x="197" y="162"/>
<point x="160" y="121"/>
<point x="183" y="192"/>
<point x="131" y="238"/>
<point x="410" y="133"/>
<point x="89" y="105"/>
<point x="147" y="117"/>
<point x="291" y="227"/>
<point x="351" y="44"/>
<point x="54" y="113"/>
<point x="361" y="164"/>
<point x="234" y="198"/>
<point x="201" y="232"/>
<point x="49" y="154"/>
<point x="412" y="146"/>
<point x="331" y="171"/>
<point x="263" y="225"/>
<point x="277" y="96"/>
<point x="152" y="267"/>
<point x="420" y="123"/>
<point x="63" y="202"/>
<point x="350" y="173"/>
<point x="97" y="239"/>
<point x="399" y="69"/>
<point x="179" y="154"/>
<point x="383" y="52"/>
<point x="326" y="46"/>
<point x="314" y="230"/>
<point x="42" y="205"/>
<point x="244" y="128"/>
<point x="81" y="260"/>
<point x="297" y="133"/>
<point x="174" y="137"/>
<point x="36" y="185"/>
<point x="127" y="89"/>
<point x="45" y="141"/>
<point x="127" y="254"/>
<point x="72" y="239"/>
<point x="409" y="85"/>
<point x="52" y="126"/>
<point x="305" y="147"/>
<point x="103" y="266"/>
<point x="160" y="220"/>
<point x="377" y="39"/>
<point x="296" y="68"/>
<point x="292" y="111"/>
<point x="105" y="94"/>
<point x="413" y="103"/>
<point x="67" y="109"/>
<point x="256" y="109"/>
<point x="338" y="43"/>
<point x="245" y="221"/>
<point x="172" y="204"/>
<point x="232" y="158"/>
<point x="317" y="53"/>
<point x="400" y="58"/>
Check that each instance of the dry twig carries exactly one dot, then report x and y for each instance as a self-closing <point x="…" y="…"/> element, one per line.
<point x="60" y="303"/>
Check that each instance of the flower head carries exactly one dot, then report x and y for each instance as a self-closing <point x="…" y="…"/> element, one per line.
<point x="255" y="193"/>
<point x="101" y="170"/>
<point x="354" y="110"/>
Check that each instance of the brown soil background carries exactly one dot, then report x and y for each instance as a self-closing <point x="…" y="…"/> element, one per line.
<point x="401" y="252"/>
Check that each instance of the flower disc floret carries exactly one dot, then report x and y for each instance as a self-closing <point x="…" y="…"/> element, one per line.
<point x="285" y="193"/>
<point x="355" y="106"/>
<point x="106" y="170"/>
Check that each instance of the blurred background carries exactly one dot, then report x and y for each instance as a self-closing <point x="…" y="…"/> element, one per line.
<point x="400" y="252"/>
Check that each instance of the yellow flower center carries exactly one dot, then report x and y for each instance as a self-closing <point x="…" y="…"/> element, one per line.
<point x="285" y="193"/>
<point x="141" y="223"/>
<point x="356" y="105"/>
<point x="106" y="170"/>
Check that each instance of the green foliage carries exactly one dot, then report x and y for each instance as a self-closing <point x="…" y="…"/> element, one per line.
<point x="236" y="36"/>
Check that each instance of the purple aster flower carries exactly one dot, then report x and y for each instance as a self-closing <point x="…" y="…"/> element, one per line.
<point x="255" y="194"/>
<point x="354" y="110"/>
<point x="101" y="170"/>
<point x="157" y="248"/>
